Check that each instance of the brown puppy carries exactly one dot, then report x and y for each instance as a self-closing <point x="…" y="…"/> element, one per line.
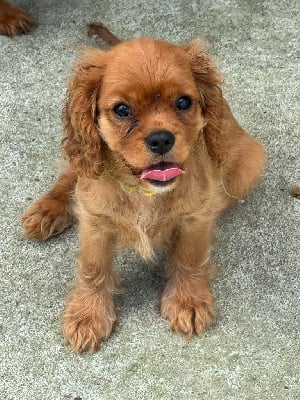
<point x="154" y="156"/>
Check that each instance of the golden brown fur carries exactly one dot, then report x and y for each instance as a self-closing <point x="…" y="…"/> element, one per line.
<point x="13" y="20"/>
<point x="296" y="191"/>
<point x="106" y="155"/>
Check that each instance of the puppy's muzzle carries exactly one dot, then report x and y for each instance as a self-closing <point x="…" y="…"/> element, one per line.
<point x="160" y="142"/>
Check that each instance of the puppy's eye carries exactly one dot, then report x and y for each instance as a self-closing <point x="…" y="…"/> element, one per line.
<point x="183" y="103"/>
<point x="122" y="110"/>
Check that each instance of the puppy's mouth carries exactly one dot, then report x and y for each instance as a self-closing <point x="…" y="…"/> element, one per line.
<point x="161" y="174"/>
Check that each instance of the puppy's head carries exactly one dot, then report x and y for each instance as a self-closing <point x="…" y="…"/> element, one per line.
<point x="141" y="105"/>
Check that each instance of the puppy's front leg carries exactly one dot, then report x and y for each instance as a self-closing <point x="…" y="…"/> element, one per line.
<point x="187" y="301"/>
<point x="89" y="315"/>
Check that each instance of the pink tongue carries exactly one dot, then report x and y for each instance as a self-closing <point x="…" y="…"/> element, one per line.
<point x="157" y="174"/>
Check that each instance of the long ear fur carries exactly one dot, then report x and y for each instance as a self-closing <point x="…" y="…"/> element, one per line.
<point x="82" y="143"/>
<point x="208" y="81"/>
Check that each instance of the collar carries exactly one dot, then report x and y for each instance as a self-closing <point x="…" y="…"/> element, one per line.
<point x="128" y="186"/>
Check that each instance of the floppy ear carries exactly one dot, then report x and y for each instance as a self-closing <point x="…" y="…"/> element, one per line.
<point x="82" y="142"/>
<point x="208" y="81"/>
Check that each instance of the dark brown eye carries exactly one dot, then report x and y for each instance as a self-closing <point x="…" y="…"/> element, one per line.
<point x="122" y="110"/>
<point x="183" y="103"/>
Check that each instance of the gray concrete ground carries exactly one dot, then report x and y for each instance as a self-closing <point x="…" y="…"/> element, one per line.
<point x="252" y="351"/>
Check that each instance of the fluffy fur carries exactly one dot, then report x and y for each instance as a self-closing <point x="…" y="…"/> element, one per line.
<point x="116" y="208"/>
<point x="13" y="20"/>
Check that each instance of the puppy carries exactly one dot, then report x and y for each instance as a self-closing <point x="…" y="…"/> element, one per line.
<point x="155" y="155"/>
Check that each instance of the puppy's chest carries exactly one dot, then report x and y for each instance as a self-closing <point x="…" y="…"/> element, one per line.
<point x="143" y="226"/>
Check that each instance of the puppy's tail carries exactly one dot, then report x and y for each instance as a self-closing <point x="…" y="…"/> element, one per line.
<point x="99" y="30"/>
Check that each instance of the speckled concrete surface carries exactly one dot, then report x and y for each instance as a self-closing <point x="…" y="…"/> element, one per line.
<point x="253" y="349"/>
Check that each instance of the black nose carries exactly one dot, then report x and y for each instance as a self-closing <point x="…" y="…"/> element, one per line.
<point x="160" y="142"/>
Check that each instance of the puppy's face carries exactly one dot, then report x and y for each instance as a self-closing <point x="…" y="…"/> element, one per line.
<point x="148" y="107"/>
<point x="146" y="100"/>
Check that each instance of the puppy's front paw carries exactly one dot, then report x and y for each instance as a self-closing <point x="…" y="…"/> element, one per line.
<point x="189" y="308"/>
<point x="46" y="217"/>
<point x="88" y="319"/>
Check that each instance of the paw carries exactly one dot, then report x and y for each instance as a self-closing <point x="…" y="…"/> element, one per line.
<point x="46" y="217"/>
<point x="87" y="323"/>
<point x="14" y="21"/>
<point x="188" y="311"/>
